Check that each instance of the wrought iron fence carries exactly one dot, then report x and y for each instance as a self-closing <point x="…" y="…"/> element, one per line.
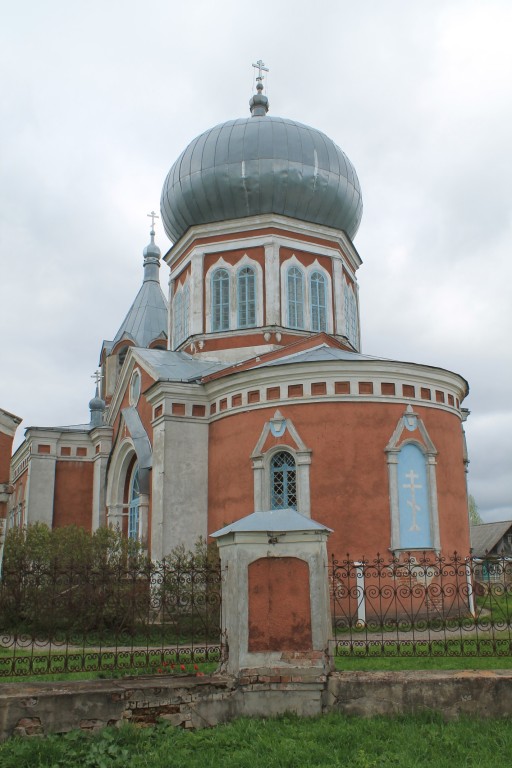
<point x="119" y="615"/>
<point x="422" y="605"/>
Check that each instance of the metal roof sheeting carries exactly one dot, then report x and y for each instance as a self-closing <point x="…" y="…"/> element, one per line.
<point x="272" y="521"/>
<point x="259" y="165"/>
<point x="147" y="317"/>
<point x="176" y="366"/>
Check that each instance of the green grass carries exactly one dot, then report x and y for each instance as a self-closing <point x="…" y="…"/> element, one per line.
<point x="331" y="741"/>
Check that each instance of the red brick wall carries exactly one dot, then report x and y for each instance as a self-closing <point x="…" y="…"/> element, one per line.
<point x="73" y="494"/>
<point x="348" y="473"/>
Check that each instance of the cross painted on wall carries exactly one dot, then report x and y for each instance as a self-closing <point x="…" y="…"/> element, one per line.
<point x="413" y="498"/>
<point x="412" y="503"/>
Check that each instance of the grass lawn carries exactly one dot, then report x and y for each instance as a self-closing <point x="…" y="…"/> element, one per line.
<point x="331" y="741"/>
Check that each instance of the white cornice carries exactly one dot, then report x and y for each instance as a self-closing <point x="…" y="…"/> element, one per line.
<point x="252" y="223"/>
<point x="346" y="370"/>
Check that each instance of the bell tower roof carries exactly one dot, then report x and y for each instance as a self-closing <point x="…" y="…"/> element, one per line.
<point x="146" y="319"/>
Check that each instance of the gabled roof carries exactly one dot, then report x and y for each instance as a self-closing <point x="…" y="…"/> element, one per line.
<point x="164" y="365"/>
<point x="485" y="536"/>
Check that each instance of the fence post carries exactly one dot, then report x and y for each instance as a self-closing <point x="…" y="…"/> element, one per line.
<point x="361" y="599"/>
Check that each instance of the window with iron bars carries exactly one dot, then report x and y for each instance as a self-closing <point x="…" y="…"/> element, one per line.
<point x="283" y="481"/>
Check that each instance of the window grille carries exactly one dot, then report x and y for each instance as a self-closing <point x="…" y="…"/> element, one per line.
<point x="283" y="480"/>
<point x="220" y="300"/>
<point x="295" y="284"/>
<point x="318" y="302"/>
<point x="246" y="298"/>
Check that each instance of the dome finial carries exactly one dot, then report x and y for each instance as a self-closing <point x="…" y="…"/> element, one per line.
<point x="152" y="253"/>
<point x="259" y="103"/>
<point x="97" y="405"/>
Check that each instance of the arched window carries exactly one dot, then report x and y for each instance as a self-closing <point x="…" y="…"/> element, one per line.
<point x="295" y="285"/>
<point x="178" y="317"/>
<point x="220" y="300"/>
<point x="133" y="505"/>
<point x="318" y="303"/>
<point x="283" y="481"/>
<point x="246" y="295"/>
<point x="350" y="314"/>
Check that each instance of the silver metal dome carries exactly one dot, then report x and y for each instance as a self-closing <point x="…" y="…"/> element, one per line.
<point x="261" y="164"/>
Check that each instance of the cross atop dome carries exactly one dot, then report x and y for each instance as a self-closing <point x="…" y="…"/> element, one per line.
<point x="259" y="103"/>
<point x="152" y="216"/>
<point x="260" y="66"/>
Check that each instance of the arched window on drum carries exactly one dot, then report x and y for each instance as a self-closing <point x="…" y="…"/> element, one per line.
<point x="246" y="297"/>
<point x="220" y="300"/>
<point x="295" y="295"/>
<point x="318" y="301"/>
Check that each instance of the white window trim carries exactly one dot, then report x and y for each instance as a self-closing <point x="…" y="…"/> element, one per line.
<point x="261" y="466"/>
<point x="307" y="271"/>
<point x="232" y="270"/>
<point x="428" y="448"/>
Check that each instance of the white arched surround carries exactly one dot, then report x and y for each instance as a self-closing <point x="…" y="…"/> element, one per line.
<point x="410" y="422"/>
<point x="261" y="460"/>
<point x="232" y="270"/>
<point x="121" y="467"/>
<point x="307" y="271"/>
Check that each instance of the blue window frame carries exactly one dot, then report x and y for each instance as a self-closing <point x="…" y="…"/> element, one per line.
<point x="220" y="300"/>
<point x="246" y="297"/>
<point x="283" y="481"/>
<point x="295" y="285"/>
<point x="318" y="302"/>
<point x="133" y="505"/>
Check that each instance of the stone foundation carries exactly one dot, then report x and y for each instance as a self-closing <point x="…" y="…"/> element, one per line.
<point x="36" y="709"/>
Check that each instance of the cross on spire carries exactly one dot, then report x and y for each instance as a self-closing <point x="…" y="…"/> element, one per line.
<point x="260" y="66"/>
<point x="97" y="376"/>
<point x="152" y="216"/>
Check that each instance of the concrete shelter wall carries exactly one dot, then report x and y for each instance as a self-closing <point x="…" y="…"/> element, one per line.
<point x="36" y="709"/>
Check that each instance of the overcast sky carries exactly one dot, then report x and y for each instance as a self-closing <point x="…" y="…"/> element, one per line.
<point x="99" y="97"/>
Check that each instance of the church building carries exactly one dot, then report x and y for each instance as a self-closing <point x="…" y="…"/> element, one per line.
<point x="246" y="389"/>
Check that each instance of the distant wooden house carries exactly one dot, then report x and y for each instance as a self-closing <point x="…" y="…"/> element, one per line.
<point x="491" y="545"/>
<point x="491" y="539"/>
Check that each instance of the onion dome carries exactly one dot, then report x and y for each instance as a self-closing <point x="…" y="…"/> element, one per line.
<point x="260" y="165"/>
<point x="96" y="407"/>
